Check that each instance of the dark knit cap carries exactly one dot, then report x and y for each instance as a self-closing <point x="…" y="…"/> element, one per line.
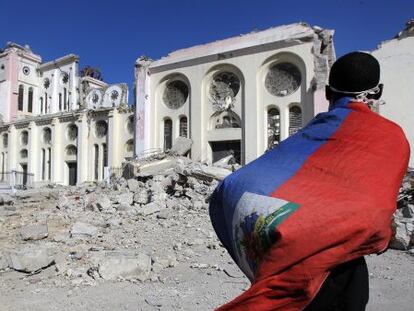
<point x="355" y="72"/>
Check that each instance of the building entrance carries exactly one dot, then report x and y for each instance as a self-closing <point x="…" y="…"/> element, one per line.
<point x="73" y="168"/>
<point x="24" y="168"/>
<point x="222" y="149"/>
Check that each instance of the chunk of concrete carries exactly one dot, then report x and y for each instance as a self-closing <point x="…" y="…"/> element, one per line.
<point x="6" y="199"/>
<point x="408" y="211"/>
<point x="402" y="239"/>
<point x="181" y="146"/>
<point x="126" y="198"/>
<point x="34" y="232"/>
<point x="157" y="167"/>
<point x="210" y="172"/>
<point x="31" y="259"/>
<point x="151" y="208"/>
<point x="4" y="260"/>
<point x="141" y="196"/>
<point x="63" y="202"/>
<point x="83" y="229"/>
<point x="225" y="162"/>
<point x="133" y="185"/>
<point x="103" y="203"/>
<point x="125" y="267"/>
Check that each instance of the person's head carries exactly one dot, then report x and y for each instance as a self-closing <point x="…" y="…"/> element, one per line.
<point x="353" y="75"/>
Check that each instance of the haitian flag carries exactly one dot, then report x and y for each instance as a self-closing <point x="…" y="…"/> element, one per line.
<point x="322" y="197"/>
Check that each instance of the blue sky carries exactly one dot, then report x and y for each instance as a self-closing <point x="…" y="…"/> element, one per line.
<point x="112" y="34"/>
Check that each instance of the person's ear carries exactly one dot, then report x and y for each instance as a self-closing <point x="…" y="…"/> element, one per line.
<point x="379" y="94"/>
<point x="328" y="94"/>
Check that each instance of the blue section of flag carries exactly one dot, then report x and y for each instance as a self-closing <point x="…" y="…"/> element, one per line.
<point x="267" y="173"/>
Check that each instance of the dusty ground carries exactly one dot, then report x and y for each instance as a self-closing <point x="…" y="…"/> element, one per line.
<point x="163" y="219"/>
<point x="184" y="288"/>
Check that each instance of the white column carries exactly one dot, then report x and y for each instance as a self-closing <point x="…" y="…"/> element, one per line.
<point x="198" y="120"/>
<point x="74" y="85"/>
<point x="58" y="155"/>
<point x="249" y="145"/>
<point x="54" y="94"/>
<point x="33" y="152"/>
<point x="13" y="142"/>
<point x="83" y="152"/>
<point x="142" y="106"/>
<point x="112" y="148"/>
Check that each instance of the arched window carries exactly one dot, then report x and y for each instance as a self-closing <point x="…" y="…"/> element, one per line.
<point x="60" y="101"/>
<point x="101" y="128"/>
<point x="175" y="94"/>
<point x="43" y="163"/>
<point x="295" y="119"/>
<point x="130" y="125"/>
<point x="183" y="126"/>
<point x="30" y="100"/>
<point x="129" y="148"/>
<point x="47" y="135"/>
<point x="41" y="105"/>
<point x="2" y="166"/>
<point x="45" y="102"/>
<point x="20" y="98"/>
<point x="167" y="134"/>
<point x="49" y="163"/>
<point x="96" y="161"/>
<point x="65" y="96"/>
<point x="23" y="154"/>
<point x="5" y="140"/>
<point x="71" y="150"/>
<point x="104" y="158"/>
<point x="273" y="127"/>
<point x="24" y="138"/>
<point x="72" y="131"/>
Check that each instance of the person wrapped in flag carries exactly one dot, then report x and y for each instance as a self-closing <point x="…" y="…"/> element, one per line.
<point x="299" y="219"/>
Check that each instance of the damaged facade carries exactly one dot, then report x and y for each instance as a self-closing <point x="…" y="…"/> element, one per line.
<point x="56" y="125"/>
<point x="396" y="58"/>
<point x="240" y="95"/>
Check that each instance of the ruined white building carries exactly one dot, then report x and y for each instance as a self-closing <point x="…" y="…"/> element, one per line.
<point x="396" y="57"/>
<point x="57" y="126"/>
<point x="240" y="95"/>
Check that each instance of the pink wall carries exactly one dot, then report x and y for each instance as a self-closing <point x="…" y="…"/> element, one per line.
<point x="12" y="76"/>
<point x="320" y="103"/>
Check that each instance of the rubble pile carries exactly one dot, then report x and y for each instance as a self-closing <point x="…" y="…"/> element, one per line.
<point x="403" y="221"/>
<point x="127" y="229"/>
<point x="144" y="228"/>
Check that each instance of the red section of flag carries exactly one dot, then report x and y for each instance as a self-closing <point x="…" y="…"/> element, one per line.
<point x="347" y="191"/>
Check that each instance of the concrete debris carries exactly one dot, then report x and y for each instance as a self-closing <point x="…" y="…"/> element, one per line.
<point x="181" y="146"/>
<point x="137" y="267"/>
<point x="408" y="30"/>
<point x="34" y="232"/>
<point x="6" y="199"/>
<point x="126" y="229"/>
<point x="134" y="185"/>
<point x="210" y="172"/>
<point x="83" y="229"/>
<point x="156" y="167"/>
<point x="141" y="196"/>
<point x="4" y="261"/>
<point x="125" y="198"/>
<point x="226" y="161"/>
<point x="151" y="227"/>
<point x="103" y="203"/>
<point x="403" y="221"/>
<point x="30" y="260"/>
<point x="149" y="209"/>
